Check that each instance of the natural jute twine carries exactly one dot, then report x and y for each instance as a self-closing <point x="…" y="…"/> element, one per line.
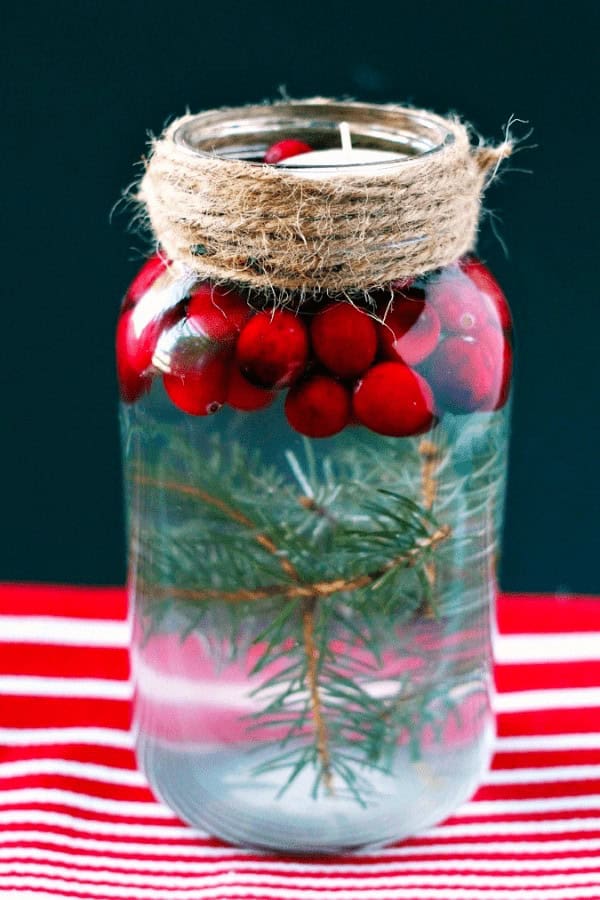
<point x="269" y="228"/>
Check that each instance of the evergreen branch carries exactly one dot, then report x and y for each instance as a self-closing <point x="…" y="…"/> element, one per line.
<point x="227" y="510"/>
<point x="320" y="589"/>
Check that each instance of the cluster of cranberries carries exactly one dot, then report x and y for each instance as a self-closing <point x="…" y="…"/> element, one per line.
<point x="441" y="345"/>
<point x="424" y="350"/>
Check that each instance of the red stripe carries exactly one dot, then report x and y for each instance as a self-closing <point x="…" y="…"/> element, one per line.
<point x="56" y="712"/>
<point x="295" y="869"/>
<point x="396" y="862"/>
<point x="65" y="601"/>
<point x="574" y="812"/>
<point x="529" y="791"/>
<point x="64" y="661"/>
<point x="85" y="753"/>
<point x="546" y="614"/>
<point x="549" y="721"/>
<point x="535" y="759"/>
<point x="90" y="787"/>
<point x="545" y="676"/>
<point x="77" y="812"/>
<point x="72" y="832"/>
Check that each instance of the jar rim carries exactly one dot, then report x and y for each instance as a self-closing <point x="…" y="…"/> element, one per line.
<point x="246" y="132"/>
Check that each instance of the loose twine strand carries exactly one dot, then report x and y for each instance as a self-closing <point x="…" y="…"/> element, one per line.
<point x="267" y="228"/>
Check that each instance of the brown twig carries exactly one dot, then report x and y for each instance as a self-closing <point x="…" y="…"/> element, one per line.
<point x="309" y="605"/>
<point x="317" y="589"/>
<point x="430" y="460"/>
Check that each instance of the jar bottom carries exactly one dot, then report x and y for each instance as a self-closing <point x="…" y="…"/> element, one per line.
<point x="218" y="791"/>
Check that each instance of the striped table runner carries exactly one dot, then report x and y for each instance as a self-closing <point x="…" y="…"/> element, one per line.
<point x="78" y="820"/>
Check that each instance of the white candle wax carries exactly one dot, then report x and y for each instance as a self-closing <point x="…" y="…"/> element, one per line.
<point x="339" y="158"/>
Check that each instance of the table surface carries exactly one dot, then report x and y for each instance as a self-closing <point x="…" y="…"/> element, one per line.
<point x="78" y="820"/>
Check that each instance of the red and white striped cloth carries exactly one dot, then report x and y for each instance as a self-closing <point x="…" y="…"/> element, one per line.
<point x="78" y="820"/>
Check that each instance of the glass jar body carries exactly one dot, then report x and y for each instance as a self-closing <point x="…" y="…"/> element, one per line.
<point x="312" y="582"/>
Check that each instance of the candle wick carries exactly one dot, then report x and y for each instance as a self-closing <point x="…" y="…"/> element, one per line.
<point x="345" y="137"/>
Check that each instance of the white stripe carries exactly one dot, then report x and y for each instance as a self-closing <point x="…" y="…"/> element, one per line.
<point x="70" y="767"/>
<point x="501" y="848"/>
<point x="16" y="892"/>
<point x="150" y="809"/>
<point x="87" y="826"/>
<point x="450" y="888"/>
<point x="524" y="648"/>
<point x="47" y="686"/>
<point x="249" y="879"/>
<point x="558" y="698"/>
<point x="371" y="871"/>
<point x="113" y="737"/>
<point x="528" y="742"/>
<point x="134" y="778"/>
<point x="520" y="807"/>
<point x="511" y="829"/>
<point x="11" y="818"/>
<point x="541" y="774"/>
<point x="33" y="737"/>
<point x="63" y="631"/>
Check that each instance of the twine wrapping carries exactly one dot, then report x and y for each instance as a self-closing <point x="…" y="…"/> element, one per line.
<point x="267" y="228"/>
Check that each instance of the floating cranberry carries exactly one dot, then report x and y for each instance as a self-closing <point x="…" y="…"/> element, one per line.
<point x="462" y="373"/>
<point x="344" y="339"/>
<point x="145" y="278"/>
<point x="393" y="399"/>
<point x="501" y="352"/>
<point x="245" y="396"/>
<point x="481" y="276"/>
<point x="217" y="313"/>
<point x="318" y="407"/>
<point x="273" y="348"/>
<point x="203" y="389"/>
<point x="285" y="149"/>
<point x="131" y="383"/>
<point x="459" y="304"/>
<point x="142" y="326"/>
<point x="410" y="332"/>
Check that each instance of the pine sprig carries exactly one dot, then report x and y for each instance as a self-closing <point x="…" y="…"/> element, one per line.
<point x="340" y="555"/>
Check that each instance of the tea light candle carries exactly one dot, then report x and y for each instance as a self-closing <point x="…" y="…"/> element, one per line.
<point x="341" y="157"/>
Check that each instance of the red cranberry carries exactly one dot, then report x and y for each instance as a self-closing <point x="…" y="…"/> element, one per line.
<point x="285" y="149"/>
<point x="245" y="396"/>
<point x="462" y="373"/>
<point x="318" y="407"/>
<point x="145" y="278"/>
<point x="217" y="313"/>
<point x="459" y="304"/>
<point x="501" y="352"/>
<point x="393" y="399"/>
<point x="143" y="325"/>
<point x="131" y="383"/>
<point x="344" y="339"/>
<point x="273" y="348"/>
<point x="203" y="389"/>
<point x="481" y="276"/>
<point x="410" y="332"/>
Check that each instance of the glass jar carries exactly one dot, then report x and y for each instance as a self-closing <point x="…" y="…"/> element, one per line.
<point x="314" y="495"/>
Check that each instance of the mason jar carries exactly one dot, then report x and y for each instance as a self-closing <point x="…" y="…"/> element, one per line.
<point x="314" y="490"/>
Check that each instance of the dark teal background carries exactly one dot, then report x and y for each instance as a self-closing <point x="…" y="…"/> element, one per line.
<point x="83" y="83"/>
